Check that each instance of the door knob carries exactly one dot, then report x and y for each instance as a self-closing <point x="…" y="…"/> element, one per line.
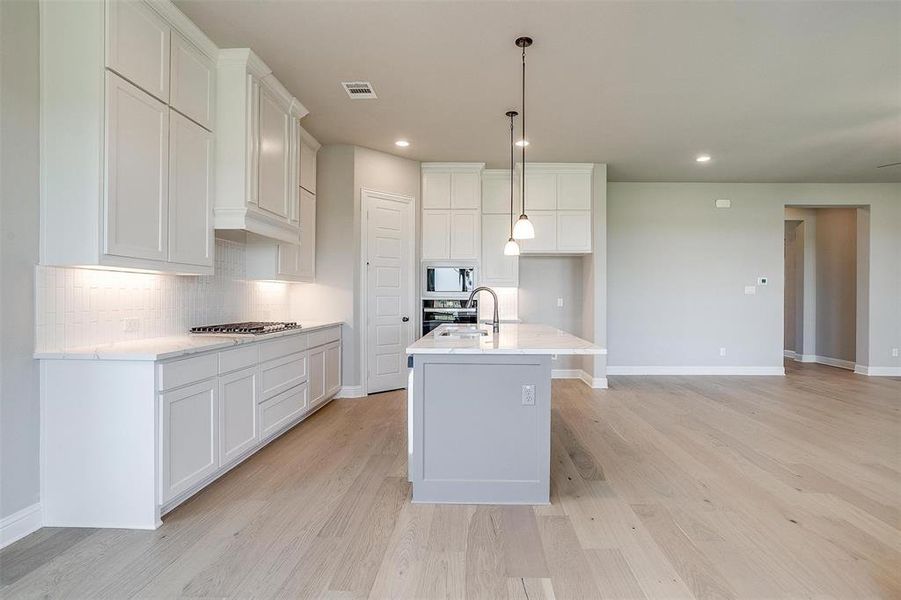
<point x="405" y="319"/>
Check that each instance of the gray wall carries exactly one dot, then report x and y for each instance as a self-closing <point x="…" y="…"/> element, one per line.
<point x="836" y="283"/>
<point x="342" y="173"/>
<point x="677" y="268"/>
<point x="19" y="191"/>
<point x="543" y="279"/>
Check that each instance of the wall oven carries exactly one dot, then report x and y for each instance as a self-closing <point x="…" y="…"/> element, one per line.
<point x="448" y="280"/>
<point x="438" y="311"/>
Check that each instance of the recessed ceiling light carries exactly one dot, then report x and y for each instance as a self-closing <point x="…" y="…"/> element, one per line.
<point x="522" y="143"/>
<point x="703" y="158"/>
<point x="402" y="143"/>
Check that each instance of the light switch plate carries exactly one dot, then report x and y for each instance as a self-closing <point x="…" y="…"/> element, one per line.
<point x="559" y="302"/>
<point x="750" y="290"/>
<point x="895" y="352"/>
<point x="724" y="203"/>
<point x="528" y="395"/>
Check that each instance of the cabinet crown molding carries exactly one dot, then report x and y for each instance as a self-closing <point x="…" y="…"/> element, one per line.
<point x="308" y="139"/>
<point x="244" y="56"/>
<point x="557" y="167"/>
<point x="452" y="166"/>
<point x="185" y="26"/>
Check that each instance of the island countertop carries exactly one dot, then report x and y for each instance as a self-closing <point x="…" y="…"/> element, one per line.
<point x="513" y="338"/>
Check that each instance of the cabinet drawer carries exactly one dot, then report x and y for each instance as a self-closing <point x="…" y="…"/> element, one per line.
<point x="239" y="358"/>
<point x="282" y="373"/>
<point x="282" y="347"/>
<point x="276" y="413"/>
<point x="324" y="336"/>
<point x="188" y="370"/>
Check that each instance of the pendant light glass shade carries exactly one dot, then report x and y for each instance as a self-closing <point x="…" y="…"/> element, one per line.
<point x="511" y="248"/>
<point x="523" y="229"/>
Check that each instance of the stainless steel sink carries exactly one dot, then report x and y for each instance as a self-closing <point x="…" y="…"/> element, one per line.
<point x="464" y="331"/>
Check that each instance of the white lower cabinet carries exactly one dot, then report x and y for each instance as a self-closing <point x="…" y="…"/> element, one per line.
<point x="317" y="375"/>
<point x="189" y="436"/>
<point x="325" y="372"/>
<point x="332" y="369"/>
<point x="238" y="422"/>
<point x="278" y="412"/>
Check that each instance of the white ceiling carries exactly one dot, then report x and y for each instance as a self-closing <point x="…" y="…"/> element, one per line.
<point x="773" y="91"/>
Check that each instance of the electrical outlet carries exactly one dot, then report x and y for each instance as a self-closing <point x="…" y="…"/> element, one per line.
<point x="750" y="290"/>
<point x="131" y="325"/>
<point x="722" y="352"/>
<point x="559" y="302"/>
<point x="528" y="395"/>
<point x="895" y="352"/>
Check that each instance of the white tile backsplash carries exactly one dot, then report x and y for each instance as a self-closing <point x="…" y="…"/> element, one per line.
<point x="80" y="307"/>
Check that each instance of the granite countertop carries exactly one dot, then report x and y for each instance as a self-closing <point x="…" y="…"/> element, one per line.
<point x="514" y="338"/>
<point x="163" y="348"/>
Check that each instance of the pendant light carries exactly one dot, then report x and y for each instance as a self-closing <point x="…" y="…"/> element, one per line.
<point x="523" y="230"/>
<point x="511" y="248"/>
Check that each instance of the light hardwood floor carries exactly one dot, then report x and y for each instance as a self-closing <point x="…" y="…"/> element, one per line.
<point x="663" y="487"/>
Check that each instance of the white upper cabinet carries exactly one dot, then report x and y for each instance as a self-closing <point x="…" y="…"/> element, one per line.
<point x="307" y="163"/>
<point x="190" y="192"/>
<point x="558" y="202"/>
<point x="258" y="162"/>
<point x="451" y="199"/>
<point x="193" y="82"/>
<point x="125" y="177"/>
<point x="137" y="45"/>
<point x="274" y="163"/>
<point x="497" y="269"/>
<point x="496" y="192"/>
<point x="137" y="165"/>
<point x="306" y="267"/>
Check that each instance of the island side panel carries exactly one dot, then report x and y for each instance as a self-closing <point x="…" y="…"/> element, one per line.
<point x="474" y="440"/>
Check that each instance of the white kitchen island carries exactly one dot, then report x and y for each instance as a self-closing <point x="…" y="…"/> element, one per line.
<point x="480" y="413"/>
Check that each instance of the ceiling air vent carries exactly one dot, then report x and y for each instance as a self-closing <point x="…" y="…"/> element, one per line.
<point x="359" y="89"/>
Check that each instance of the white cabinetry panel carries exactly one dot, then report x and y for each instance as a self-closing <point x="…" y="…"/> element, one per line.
<point x="275" y="130"/>
<point x="464" y="234"/>
<point x="306" y="262"/>
<point x="541" y="191"/>
<point x="573" y="191"/>
<point x="436" y="226"/>
<point x="190" y="192"/>
<point x="465" y="190"/>
<point x="573" y="231"/>
<point x="332" y="368"/>
<point x="558" y="201"/>
<point x="316" y="383"/>
<point x="193" y="82"/>
<point x="190" y="436"/>
<point x="545" y="223"/>
<point x="238" y="427"/>
<point x="308" y="167"/>
<point x="137" y="165"/>
<point x="137" y="46"/>
<point x="278" y="412"/>
<point x="436" y="190"/>
<point x="497" y="269"/>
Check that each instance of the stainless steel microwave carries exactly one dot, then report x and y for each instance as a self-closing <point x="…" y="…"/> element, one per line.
<point x="448" y="280"/>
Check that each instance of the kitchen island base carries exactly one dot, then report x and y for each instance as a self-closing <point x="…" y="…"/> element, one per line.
<point x="481" y="428"/>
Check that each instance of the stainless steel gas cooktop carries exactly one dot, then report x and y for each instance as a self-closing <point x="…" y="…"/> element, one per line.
<point x="248" y="327"/>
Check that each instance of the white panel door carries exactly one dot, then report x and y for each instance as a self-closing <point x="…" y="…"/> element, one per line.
<point x="574" y="231"/>
<point x="193" y="82"/>
<point x="497" y="269"/>
<point x="275" y="131"/>
<point x="436" y="234"/>
<point x="465" y="190"/>
<point x="436" y="190"/>
<point x="545" y="223"/>
<point x="137" y="172"/>
<point x="137" y="46"/>
<point x="190" y="192"/>
<point x="239" y="429"/>
<point x="464" y="242"/>
<point x="541" y="191"/>
<point x="306" y="261"/>
<point x="573" y="191"/>
<point x="389" y="290"/>
<point x="190" y="436"/>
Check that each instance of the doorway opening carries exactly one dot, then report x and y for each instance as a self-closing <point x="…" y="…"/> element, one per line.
<point x="826" y="290"/>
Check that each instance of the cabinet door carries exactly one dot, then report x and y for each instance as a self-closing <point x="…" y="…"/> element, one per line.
<point x="541" y="191"/>
<point x="193" y="82"/>
<point x="190" y="192"/>
<point x="190" y="436"/>
<point x="436" y="226"/>
<point x="306" y="265"/>
<point x="317" y="385"/>
<point x="573" y="231"/>
<point x="281" y="411"/>
<point x="465" y="191"/>
<point x="464" y="234"/>
<point x="238" y="426"/>
<point x="497" y="269"/>
<point x="307" y="167"/>
<point x="273" y="155"/>
<point x="545" y="223"/>
<point x="137" y="172"/>
<point x="332" y="368"/>
<point x="436" y="190"/>
<point x="137" y="46"/>
<point x="573" y="191"/>
<point x="496" y="196"/>
<point x="288" y="260"/>
<point x="253" y="140"/>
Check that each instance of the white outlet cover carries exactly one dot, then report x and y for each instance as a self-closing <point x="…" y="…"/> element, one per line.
<point x="528" y="395"/>
<point x="724" y="203"/>
<point x="895" y="352"/>
<point x="559" y="302"/>
<point x="750" y="290"/>
<point x="722" y="352"/>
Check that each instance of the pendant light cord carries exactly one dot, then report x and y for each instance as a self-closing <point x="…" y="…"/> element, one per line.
<point x="512" y="168"/>
<point x="523" y="131"/>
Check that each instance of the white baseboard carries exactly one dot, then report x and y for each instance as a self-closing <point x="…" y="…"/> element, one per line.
<point x="642" y="370"/>
<point x="833" y="362"/>
<point x="350" y="391"/>
<point x="19" y="524"/>
<point x="877" y="371"/>
<point x="790" y="354"/>
<point x="806" y="358"/>
<point x="598" y="383"/>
